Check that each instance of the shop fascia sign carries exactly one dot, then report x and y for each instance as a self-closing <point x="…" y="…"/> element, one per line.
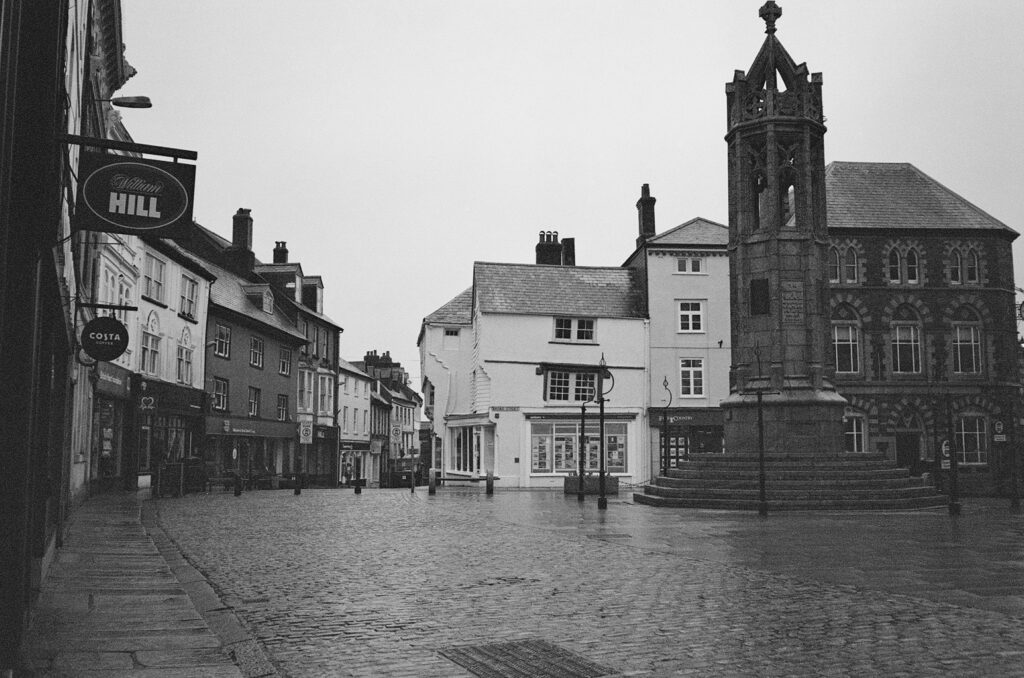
<point x="127" y="193"/>
<point x="138" y="196"/>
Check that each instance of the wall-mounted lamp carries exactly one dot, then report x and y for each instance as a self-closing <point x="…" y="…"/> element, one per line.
<point x="129" y="102"/>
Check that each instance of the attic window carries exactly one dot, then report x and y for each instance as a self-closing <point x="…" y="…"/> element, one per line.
<point x="268" y="302"/>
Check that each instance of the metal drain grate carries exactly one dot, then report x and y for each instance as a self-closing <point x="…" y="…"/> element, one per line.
<point x="523" y="659"/>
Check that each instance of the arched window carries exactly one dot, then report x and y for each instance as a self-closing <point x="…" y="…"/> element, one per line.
<point x="850" y="268"/>
<point x="966" y="342"/>
<point x="955" y="264"/>
<point x="846" y="340"/>
<point x="906" y="342"/>
<point x="971" y="274"/>
<point x="894" y="266"/>
<point x="913" y="274"/>
<point x="833" y="265"/>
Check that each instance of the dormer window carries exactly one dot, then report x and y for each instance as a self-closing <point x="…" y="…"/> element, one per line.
<point x="268" y="302"/>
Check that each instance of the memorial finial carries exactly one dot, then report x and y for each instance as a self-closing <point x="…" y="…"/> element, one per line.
<point x="770" y="12"/>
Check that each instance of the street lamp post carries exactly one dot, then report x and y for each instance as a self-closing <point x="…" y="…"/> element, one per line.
<point x="664" y="429"/>
<point x="602" y="500"/>
<point x="583" y="448"/>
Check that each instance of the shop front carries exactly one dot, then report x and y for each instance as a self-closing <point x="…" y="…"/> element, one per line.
<point x="111" y="423"/>
<point x="320" y="457"/>
<point x="684" y="431"/>
<point x="250" y="447"/>
<point x="355" y="459"/>
<point x="169" y="426"/>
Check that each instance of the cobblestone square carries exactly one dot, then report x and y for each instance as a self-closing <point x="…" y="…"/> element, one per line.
<point x="378" y="584"/>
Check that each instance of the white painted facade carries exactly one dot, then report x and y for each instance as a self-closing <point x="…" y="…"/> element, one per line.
<point x="354" y="423"/>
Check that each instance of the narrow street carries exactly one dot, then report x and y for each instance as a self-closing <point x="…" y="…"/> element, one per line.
<point x="390" y="583"/>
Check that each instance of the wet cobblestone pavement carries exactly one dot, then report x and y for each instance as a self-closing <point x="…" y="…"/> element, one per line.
<point x="378" y="584"/>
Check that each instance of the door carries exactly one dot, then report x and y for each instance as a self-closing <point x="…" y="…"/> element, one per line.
<point x="908" y="451"/>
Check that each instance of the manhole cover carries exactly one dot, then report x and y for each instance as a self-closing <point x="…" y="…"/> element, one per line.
<point x="609" y="535"/>
<point x="523" y="659"/>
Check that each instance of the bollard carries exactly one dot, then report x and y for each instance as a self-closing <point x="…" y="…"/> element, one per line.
<point x="298" y="484"/>
<point x="490" y="482"/>
<point x="432" y="483"/>
<point x="359" y="485"/>
<point x="238" y="484"/>
<point x="412" y="482"/>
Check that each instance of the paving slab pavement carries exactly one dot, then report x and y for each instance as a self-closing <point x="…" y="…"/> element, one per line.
<point x="112" y="606"/>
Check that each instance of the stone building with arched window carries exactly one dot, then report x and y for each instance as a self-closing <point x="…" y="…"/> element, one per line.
<point x="922" y="311"/>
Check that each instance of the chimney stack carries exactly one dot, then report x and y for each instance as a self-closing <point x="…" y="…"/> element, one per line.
<point x="568" y="251"/>
<point x="548" y="249"/>
<point x="241" y="231"/>
<point x="280" y="252"/>
<point x="645" y="210"/>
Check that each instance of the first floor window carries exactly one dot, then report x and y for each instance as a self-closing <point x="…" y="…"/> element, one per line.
<point x="220" y="394"/>
<point x="833" y="265"/>
<point x="574" y="329"/>
<point x="845" y="346"/>
<point x="222" y="342"/>
<point x="966" y="349"/>
<point x="184" y="365"/>
<point x="854" y="434"/>
<point x="691" y="316"/>
<point x="571" y="386"/>
<point x="254" y="401"/>
<point x="189" y="294"/>
<point x="256" y="352"/>
<point x="325" y="405"/>
<point x="971" y="440"/>
<point x="153" y="278"/>
<point x="284" y="361"/>
<point x="305" y="390"/>
<point x="555" y="447"/>
<point x="150" y="353"/>
<point x="282" y="407"/>
<point x="691" y="377"/>
<point x="906" y="349"/>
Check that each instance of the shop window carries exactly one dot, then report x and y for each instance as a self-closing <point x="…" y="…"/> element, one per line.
<point x="555" y="446"/>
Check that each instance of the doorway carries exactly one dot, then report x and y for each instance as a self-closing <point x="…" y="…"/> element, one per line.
<point x="908" y="451"/>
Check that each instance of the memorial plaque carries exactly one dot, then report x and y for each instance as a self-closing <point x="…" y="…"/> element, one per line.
<point x="792" y="296"/>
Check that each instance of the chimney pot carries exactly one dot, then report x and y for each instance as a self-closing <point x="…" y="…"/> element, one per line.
<point x="645" y="213"/>
<point x="241" y="229"/>
<point x="281" y="252"/>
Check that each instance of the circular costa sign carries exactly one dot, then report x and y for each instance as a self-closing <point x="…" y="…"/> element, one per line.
<point x="104" y="338"/>
<point x="139" y="196"/>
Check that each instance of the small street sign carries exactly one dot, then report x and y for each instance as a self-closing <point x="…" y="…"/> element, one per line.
<point x="305" y="432"/>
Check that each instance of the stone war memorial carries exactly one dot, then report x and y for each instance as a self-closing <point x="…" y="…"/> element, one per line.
<point x="783" y="417"/>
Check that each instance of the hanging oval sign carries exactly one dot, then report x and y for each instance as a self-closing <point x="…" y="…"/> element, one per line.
<point x="104" y="338"/>
<point x="119" y="194"/>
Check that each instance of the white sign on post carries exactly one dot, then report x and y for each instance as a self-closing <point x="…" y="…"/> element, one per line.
<point x="305" y="432"/>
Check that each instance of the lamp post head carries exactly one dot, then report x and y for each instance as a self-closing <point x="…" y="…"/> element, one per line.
<point x="603" y="364"/>
<point x="130" y="102"/>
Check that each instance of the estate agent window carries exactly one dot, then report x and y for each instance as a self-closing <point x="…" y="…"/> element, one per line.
<point x="555" y="445"/>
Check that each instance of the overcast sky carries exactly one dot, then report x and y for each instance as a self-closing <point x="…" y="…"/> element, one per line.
<point x="394" y="143"/>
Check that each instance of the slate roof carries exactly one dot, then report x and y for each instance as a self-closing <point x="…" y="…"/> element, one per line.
<point x="697" y="232"/>
<point x="228" y="291"/>
<point x="346" y="366"/>
<point x="458" y="311"/>
<point x="897" y="195"/>
<point x="532" y="289"/>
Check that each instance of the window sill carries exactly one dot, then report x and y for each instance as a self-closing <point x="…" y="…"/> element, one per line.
<point x="153" y="301"/>
<point x="188" y="318"/>
<point x="572" y="342"/>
